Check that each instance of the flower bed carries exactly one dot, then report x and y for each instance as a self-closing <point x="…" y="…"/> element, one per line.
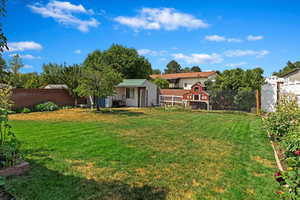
<point x="283" y="127"/>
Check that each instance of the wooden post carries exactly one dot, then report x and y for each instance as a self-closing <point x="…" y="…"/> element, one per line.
<point x="172" y="100"/>
<point x="258" y="104"/>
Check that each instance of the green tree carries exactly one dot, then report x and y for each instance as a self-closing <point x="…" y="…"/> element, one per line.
<point x="290" y="66"/>
<point x="71" y="77"/>
<point x="186" y="69"/>
<point x="99" y="83"/>
<point x="3" y="71"/>
<point x="3" y="39"/>
<point x="156" y="71"/>
<point x="31" y="80"/>
<point x="63" y="74"/>
<point x="196" y="69"/>
<point x="173" y="67"/>
<point x="14" y="66"/>
<point x="161" y="83"/>
<point x="121" y="59"/>
<point x="231" y="79"/>
<point x="52" y="73"/>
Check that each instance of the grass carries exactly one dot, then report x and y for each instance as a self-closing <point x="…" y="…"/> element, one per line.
<point x="134" y="154"/>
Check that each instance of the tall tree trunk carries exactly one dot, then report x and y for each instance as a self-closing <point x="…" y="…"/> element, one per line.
<point x="75" y="101"/>
<point x="98" y="106"/>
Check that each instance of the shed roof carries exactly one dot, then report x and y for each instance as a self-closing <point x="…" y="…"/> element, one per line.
<point x="132" y="83"/>
<point x="184" y="75"/>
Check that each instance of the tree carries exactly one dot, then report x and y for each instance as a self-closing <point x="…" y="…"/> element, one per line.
<point x="14" y="66"/>
<point x="98" y="83"/>
<point x="290" y="66"/>
<point x="161" y="83"/>
<point x="173" y="67"/>
<point x="121" y="59"/>
<point x="3" y="39"/>
<point x="52" y="73"/>
<point x="231" y="79"/>
<point x="196" y="69"/>
<point x="30" y="80"/>
<point x="156" y="71"/>
<point x="71" y="77"/>
<point x="3" y="71"/>
<point x="186" y="69"/>
<point x="63" y="74"/>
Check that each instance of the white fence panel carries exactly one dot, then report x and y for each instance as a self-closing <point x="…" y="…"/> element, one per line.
<point x="269" y="92"/>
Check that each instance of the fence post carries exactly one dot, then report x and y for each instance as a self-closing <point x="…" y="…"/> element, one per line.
<point x="258" y="105"/>
<point x="172" y="100"/>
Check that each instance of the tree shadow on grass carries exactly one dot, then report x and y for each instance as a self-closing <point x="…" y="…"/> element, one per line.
<point x="128" y="113"/>
<point x="47" y="184"/>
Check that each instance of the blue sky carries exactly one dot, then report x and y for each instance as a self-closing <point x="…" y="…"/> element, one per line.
<point x="214" y="34"/>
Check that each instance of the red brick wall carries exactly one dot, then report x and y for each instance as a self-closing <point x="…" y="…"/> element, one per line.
<point x="31" y="97"/>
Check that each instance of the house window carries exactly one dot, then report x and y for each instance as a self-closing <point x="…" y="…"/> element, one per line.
<point x="196" y="89"/>
<point x="129" y="93"/>
<point x="185" y="85"/>
<point x="196" y="97"/>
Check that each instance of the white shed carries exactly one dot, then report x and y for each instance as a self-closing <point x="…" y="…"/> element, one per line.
<point x="134" y="93"/>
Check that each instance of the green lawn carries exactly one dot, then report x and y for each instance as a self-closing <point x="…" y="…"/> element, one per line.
<point x="143" y="154"/>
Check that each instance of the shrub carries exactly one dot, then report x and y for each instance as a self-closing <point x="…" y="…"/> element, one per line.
<point x="5" y="97"/>
<point x="285" y="119"/>
<point x="292" y="189"/>
<point x="284" y="125"/>
<point x="47" y="106"/>
<point x="26" y="110"/>
<point x="9" y="145"/>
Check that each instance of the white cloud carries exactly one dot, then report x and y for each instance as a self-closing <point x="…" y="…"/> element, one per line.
<point x="151" y="52"/>
<point x="22" y="46"/>
<point x="254" y="38"/>
<point x="161" y="18"/>
<point x="63" y="12"/>
<point x="27" y="56"/>
<point x="27" y="66"/>
<point x="236" y="64"/>
<point x="234" y="40"/>
<point x="238" y="53"/>
<point x="77" y="51"/>
<point x="199" y="58"/>
<point x="218" y="38"/>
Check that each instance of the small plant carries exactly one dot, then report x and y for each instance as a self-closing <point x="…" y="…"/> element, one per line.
<point x="9" y="145"/>
<point x="47" y="106"/>
<point x="26" y="110"/>
<point x="292" y="189"/>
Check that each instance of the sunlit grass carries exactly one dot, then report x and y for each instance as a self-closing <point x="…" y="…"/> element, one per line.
<point x="143" y="154"/>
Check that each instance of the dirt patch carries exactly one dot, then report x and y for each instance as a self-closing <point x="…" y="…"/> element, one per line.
<point x="65" y="115"/>
<point x="263" y="161"/>
<point x="219" y="190"/>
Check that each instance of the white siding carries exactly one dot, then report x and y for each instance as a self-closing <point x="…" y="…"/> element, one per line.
<point x="152" y="93"/>
<point x="134" y="101"/>
<point x="269" y="92"/>
<point x="187" y="83"/>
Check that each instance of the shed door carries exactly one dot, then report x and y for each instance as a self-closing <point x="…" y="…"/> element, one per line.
<point x="143" y="97"/>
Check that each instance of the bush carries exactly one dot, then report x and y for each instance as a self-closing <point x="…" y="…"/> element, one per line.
<point x="285" y="119"/>
<point x="26" y="110"/>
<point x="284" y="125"/>
<point x="9" y="145"/>
<point x="47" y="106"/>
